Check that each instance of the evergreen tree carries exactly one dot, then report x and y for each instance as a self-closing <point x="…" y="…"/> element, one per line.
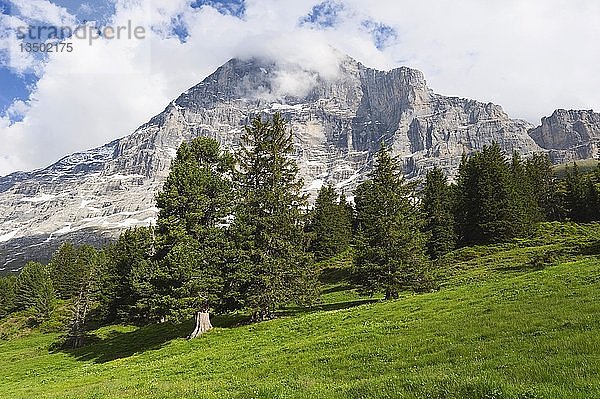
<point x="525" y="207"/>
<point x="390" y="248"/>
<point x="331" y="224"/>
<point x="68" y="268"/>
<point x="487" y="205"/>
<point x="270" y="261"/>
<point x="543" y="187"/>
<point x="126" y="290"/>
<point x="7" y="295"/>
<point x="437" y="206"/>
<point x="34" y="290"/>
<point x="89" y="295"/>
<point x="194" y="205"/>
<point x="581" y="196"/>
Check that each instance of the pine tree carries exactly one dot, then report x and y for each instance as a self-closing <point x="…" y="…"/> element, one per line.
<point x="437" y="207"/>
<point x="68" y="269"/>
<point x="390" y="248"/>
<point x="89" y="296"/>
<point x="7" y="295"/>
<point x="194" y="205"/>
<point x="271" y="263"/>
<point x="34" y="290"/>
<point x="579" y="195"/>
<point x="524" y="204"/>
<point x="126" y="291"/>
<point x="487" y="206"/>
<point x="542" y="183"/>
<point x="331" y="224"/>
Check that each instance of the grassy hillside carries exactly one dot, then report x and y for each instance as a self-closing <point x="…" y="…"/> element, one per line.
<point x="519" y="320"/>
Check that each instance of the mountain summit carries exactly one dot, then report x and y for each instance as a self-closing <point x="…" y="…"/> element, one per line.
<point x="339" y="117"/>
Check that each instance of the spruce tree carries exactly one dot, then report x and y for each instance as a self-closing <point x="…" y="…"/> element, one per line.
<point x="390" y="247"/>
<point x="34" y="290"/>
<point x="579" y="195"/>
<point x="437" y="207"/>
<point x="69" y="268"/>
<point x="89" y="296"/>
<point x="487" y="204"/>
<point x="524" y="204"/>
<point x="7" y="295"/>
<point x="542" y="183"/>
<point x="126" y="292"/>
<point x="194" y="204"/>
<point x="271" y="262"/>
<point x="330" y="225"/>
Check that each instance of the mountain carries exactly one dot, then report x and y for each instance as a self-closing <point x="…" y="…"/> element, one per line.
<point x="338" y="119"/>
<point x="569" y="135"/>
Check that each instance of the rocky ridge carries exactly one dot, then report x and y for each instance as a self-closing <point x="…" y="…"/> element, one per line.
<point x="338" y="123"/>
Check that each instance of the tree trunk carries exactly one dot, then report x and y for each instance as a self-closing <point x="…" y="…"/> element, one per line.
<point x="390" y="294"/>
<point x="202" y="324"/>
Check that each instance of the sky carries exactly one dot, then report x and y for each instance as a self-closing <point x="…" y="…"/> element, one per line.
<point x="530" y="56"/>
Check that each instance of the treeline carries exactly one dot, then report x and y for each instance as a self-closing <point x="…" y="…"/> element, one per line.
<point x="235" y="233"/>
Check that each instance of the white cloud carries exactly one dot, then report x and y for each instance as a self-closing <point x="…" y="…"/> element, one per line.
<point x="531" y="57"/>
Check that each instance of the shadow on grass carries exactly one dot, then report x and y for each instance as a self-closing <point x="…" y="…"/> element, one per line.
<point x="122" y="344"/>
<point x="118" y="345"/>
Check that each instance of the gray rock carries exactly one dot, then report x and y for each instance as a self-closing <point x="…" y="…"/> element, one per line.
<point x="338" y="122"/>
<point x="569" y="135"/>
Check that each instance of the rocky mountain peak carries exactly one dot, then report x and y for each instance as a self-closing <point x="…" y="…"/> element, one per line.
<point x="569" y="135"/>
<point x="340" y="112"/>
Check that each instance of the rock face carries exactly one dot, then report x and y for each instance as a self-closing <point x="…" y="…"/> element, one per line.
<point x="338" y="119"/>
<point x="569" y="135"/>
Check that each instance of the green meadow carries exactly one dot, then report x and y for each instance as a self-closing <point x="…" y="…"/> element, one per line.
<point x="516" y="320"/>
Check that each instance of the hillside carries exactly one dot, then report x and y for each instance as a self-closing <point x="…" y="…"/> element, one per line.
<point x="517" y="320"/>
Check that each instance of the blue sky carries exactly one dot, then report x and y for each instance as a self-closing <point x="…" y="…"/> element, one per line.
<point x="529" y="56"/>
<point x="17" y="86"/>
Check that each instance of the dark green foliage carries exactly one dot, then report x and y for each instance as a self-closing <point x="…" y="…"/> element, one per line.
<point x="542" y="186"/>
<point x="34" y="290"/>
<point x="126" y="293"/>
<point x="437" y="208"/>
<point x="271" y="265"/>
<point x="191" y="243"/>
<point x="488" y="207"/>
<point x="390" y="248"/>
<point x="89" y="296"/>
<point x="526" y="208"/>
<point x="69" y="268"/>
<point x="582" y="196"/>
<point x="330" y="225"/>
<point x="7" y="295"/>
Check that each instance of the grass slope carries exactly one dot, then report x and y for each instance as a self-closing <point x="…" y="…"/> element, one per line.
<point x="512" y="321"/>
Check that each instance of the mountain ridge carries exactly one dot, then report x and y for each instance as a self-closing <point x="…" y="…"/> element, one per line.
<point x="338" y="121"/>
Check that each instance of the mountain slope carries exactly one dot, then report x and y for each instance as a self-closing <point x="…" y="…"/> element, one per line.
<point x="339" y="118"/>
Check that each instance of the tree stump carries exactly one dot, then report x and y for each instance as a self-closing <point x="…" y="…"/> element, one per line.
<point x="202" y="324"/>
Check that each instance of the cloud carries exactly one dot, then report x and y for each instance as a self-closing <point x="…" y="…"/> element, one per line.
<point x="531" y="57"/>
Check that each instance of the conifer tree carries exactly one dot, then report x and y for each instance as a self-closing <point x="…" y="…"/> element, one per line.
<point x="34" y="290"/>
<point x="88" y="297"/>
<point x="126" y="292"/>
<point x="330" y="225"/>
<point x="67" y="271"/>
<point x="524" y="204"/>
<point x="194" y="204"/>
<point x="7" y="295"/>
<point x="390" y="248"/>
<point x="486" y="202"/>
<point x="271" y="262"/>
<point x="542" y="183"/>
<point x="437" y="207"/>
<point x="579" y="195"/>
